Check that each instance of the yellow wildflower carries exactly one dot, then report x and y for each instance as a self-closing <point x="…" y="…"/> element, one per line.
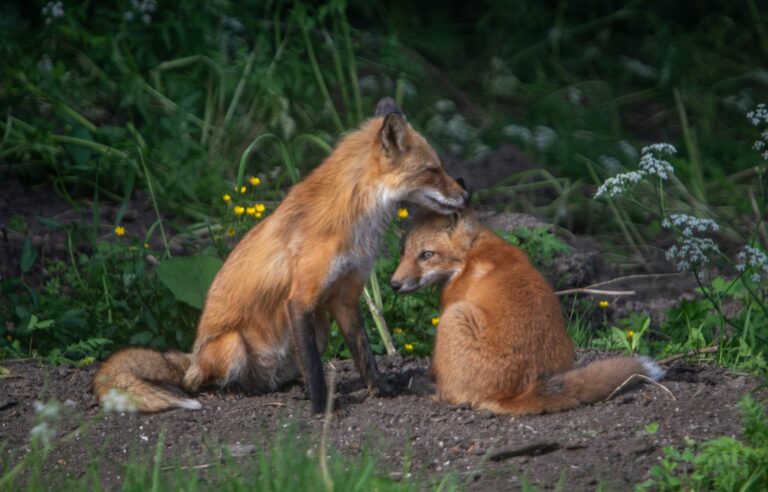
<point x="630" y="334"/>
<point x="408" y="347"/>
<point x="231" y="231"/>
<point x="603" y="304"/>
<point x="226" y="197"/>
<point x="258" y="215"/>
<point x="239" y="210"/>
<point x="146" y="245"/>
<point x="402" y="213"/>
<point x="435" y="321"/>
<point x="250" y="210"/>
<point x="243" y="189"/>
<point x="119" y="231"/>
<point x="260" y="207"/>
<point x="255" y="181"/>
<point x="398" y="330"/>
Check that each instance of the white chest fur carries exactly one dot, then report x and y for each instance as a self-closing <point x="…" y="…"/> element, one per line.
<point x="362" y="245"/>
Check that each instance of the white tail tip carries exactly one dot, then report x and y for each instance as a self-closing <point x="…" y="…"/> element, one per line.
<point x="189" y="404"/>
<point x="652" y="369"/>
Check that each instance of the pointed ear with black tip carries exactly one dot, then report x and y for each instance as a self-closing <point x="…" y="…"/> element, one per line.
<point x="387" y="105"/>
<point x="461" y="183"/>
<point x="393" y="134"/>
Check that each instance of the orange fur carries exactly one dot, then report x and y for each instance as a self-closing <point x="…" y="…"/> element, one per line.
<point x="501" y="343"/>
<point x="265" y="318"/>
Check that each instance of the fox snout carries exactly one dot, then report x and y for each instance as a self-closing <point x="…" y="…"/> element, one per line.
<point x="404" y="286"/>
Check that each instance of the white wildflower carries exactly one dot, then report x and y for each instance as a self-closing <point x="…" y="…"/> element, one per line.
<point x="649" y="165"/>
<point x="754" y="260"/>
<point x="52" y="11"/>
<point x="141" y="9"/>
<point x="758" y="115"/>
<point x="692" y="252"/>
<point x="661" y="148"/>
<point x="117" y="401"/>
<point x="618" y="184"/>
<point x="689" y="225"/>
<point x="653" y="166"/>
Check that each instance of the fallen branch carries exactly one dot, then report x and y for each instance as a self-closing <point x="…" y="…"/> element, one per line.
<point x="705" y="350"/>
<point x="632" y="378"/>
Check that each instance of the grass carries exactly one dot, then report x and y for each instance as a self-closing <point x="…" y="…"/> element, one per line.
<point x="289" y="463"/>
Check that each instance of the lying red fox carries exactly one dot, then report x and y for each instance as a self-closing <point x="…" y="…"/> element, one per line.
<point x="501" y="343"/>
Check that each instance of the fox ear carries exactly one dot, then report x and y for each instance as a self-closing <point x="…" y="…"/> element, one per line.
<point x="466" y="220"/>
<point x="387" y="105"/>
<point x="393" y="133"/>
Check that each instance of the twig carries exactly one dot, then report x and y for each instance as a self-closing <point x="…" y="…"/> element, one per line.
<point x="586" y="290"/>
<point x="631" y="379"/>
<point x="705" y="350"/>
<point x="326" y="424"/>
<point x="188" y="467"/>
<point x="633" y="277"/>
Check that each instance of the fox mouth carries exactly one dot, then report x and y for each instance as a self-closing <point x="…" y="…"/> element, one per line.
<point x="439" y="203"/>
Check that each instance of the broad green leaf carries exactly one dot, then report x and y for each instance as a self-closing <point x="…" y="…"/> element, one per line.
<point x="188" y="277"/>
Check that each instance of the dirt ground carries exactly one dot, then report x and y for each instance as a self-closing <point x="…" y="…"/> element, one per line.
<point x="605" y="443"/>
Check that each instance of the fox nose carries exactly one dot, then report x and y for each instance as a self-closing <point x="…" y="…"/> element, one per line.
<point x="395" y="285"/>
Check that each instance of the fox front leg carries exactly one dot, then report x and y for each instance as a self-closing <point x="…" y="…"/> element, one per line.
<point x="308" y="356"/>
<point x="344" y="306"/>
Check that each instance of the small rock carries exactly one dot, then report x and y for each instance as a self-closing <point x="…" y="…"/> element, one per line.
<point x="238" y="450"/>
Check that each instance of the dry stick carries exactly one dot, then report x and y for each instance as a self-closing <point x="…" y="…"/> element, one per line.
<point x="641" y="376"/>
<point x="705" y="350"/>
<point x="590" y="289"/>
<point x="587" y="290"/>
<point x="326" y="423"/>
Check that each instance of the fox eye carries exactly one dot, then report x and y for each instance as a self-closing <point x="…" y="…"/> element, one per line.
<point x="425" y="255"/>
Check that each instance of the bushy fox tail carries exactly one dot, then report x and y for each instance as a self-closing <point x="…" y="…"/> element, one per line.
<point x="143" y="380"/>
<point x="582" y="385"/>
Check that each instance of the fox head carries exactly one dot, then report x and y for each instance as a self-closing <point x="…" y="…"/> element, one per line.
<point x="411" y="171"/>
<point x="434" y="251"/>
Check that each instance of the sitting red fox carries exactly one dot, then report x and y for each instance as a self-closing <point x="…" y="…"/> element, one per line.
<point x="501" y="343"/>
<point x="265" y="320"/>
